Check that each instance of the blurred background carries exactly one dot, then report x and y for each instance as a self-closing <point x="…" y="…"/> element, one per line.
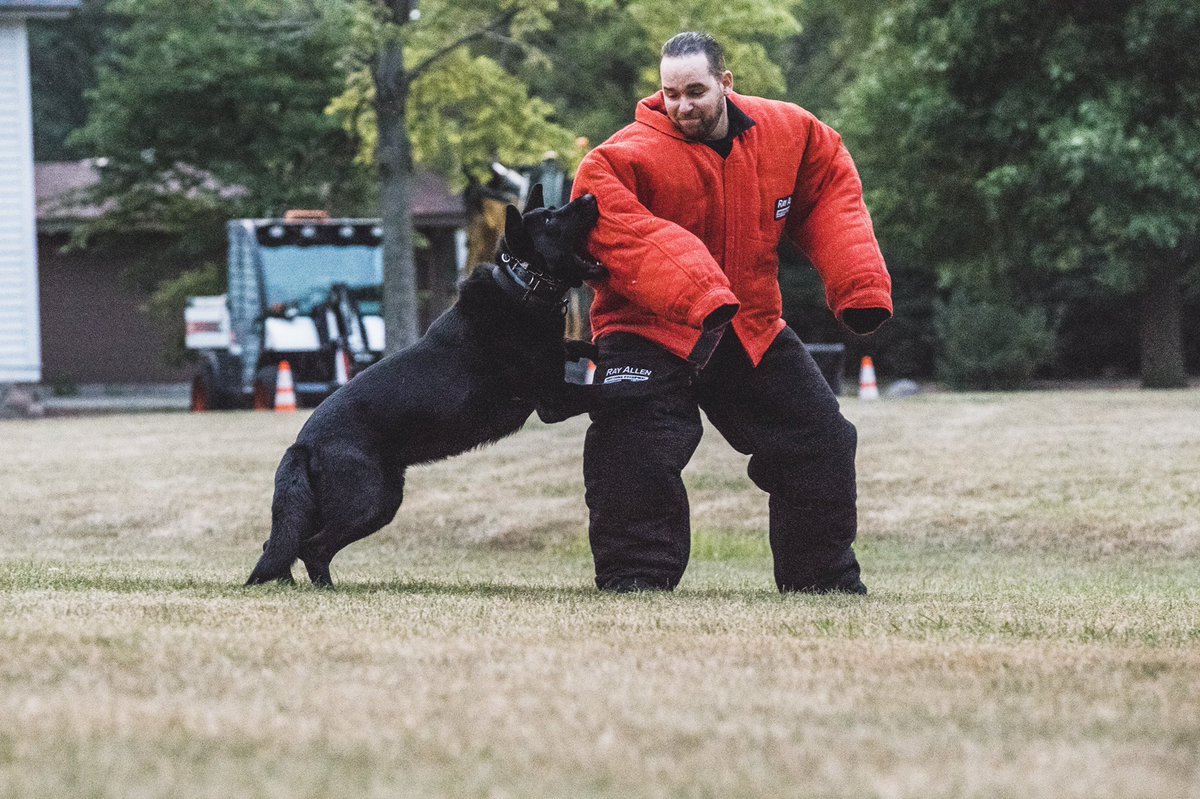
<point x="1032" y="168"/>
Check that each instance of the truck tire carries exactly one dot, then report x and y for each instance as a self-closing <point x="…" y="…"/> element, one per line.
<point x="207" y="394"/>
<point x="202" y="391"/>
<point x="263" y="398"/>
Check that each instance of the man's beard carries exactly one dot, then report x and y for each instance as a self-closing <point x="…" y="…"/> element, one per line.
<point x="700" y="125"/>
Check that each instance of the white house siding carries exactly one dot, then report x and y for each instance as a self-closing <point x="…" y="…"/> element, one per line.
<point x="20" y="343"/>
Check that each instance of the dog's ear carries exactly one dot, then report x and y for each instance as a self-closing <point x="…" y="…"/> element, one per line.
<point x="516" y="238"/>
<point x="535" y="198"/>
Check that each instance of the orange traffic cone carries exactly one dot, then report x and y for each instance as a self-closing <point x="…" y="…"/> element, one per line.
<point x="341" y="367"/>
<point x="285" y="389"/>
<point x="868" y="389"/>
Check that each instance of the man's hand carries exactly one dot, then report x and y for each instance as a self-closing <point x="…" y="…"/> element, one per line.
<point x="865" y="321"/>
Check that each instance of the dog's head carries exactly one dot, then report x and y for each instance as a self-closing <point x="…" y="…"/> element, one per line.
<point x="552" y="242"/>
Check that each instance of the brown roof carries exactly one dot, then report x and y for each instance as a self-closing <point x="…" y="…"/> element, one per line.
<point x="432" y="203"/>
<point x="59" y="187"/>
<point x="60" y="191"/>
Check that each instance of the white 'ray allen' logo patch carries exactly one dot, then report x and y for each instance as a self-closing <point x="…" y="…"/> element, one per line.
<point x="631" y="374"/>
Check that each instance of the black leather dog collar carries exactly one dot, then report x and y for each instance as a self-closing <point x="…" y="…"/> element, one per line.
<point x="529" y="286"/>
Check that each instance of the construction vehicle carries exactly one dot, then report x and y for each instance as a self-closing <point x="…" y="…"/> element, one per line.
<point x="306" y="289"/>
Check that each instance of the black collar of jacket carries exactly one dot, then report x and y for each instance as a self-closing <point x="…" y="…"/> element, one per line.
<point x="739" y="120"/>
<point x="739" y="123"/>
<point x="528" y="286"/>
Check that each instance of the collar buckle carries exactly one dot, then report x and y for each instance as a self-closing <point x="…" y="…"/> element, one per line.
<point x="530" y="281"/>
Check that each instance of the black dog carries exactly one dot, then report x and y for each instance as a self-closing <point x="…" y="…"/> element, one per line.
<point x="482" y="368"/>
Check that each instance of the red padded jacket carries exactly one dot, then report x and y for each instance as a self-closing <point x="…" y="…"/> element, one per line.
<point x="684" y="231"/>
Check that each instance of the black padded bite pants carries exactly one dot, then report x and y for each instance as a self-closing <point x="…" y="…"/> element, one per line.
<point x="780" y="413"/>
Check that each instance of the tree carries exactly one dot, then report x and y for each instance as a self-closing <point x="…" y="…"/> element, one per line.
<point x="225" y="107"/>
<point x="1013" y="143"/>
<point x="602" y="55"/>
<point x="236" y="88"/>
<point x="62" y="68"/>
<point x="821" y="60"/>
<point x="472" y="111"/>
<point x="818" y="64"/>
<point x="436" y="41"/>
<point x="1121" y="167"/>
<point x="214" y="108"/>
<point x="298" y="101"/>
<point x="459" y="64"/>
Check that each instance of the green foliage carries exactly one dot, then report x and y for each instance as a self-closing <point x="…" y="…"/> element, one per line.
<point x="62" y="67"/>
<point x="233" y="89"/>
<point x="603" y="54"/>
<point x="210" y="110"/>
<point x="1118" y="155"/>
<point x="822" y="59"/>
<point x="602" y="42"/>
<point x="465" y="108"/>
<point x="913" y="141"/>
<point x="170" y="298"/>
<point x="1012" y="144"/>
<point x="560" y="69"/>
<point x="465" y="112"/>
<point x="744" y="28"/>
<point x="472" y="111"/>
<point x="988" y="344"/>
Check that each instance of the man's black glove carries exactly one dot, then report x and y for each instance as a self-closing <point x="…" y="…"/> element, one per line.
<point x="711" y="330"/>
<point x="865" y="320"/>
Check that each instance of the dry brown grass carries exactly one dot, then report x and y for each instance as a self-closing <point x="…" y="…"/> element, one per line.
<point x="1033" y="631"/>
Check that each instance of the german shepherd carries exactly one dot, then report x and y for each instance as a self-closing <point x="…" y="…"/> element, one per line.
<point x="482" y="368"/>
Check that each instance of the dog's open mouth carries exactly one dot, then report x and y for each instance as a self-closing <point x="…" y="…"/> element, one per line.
<point x="589" y="267"/>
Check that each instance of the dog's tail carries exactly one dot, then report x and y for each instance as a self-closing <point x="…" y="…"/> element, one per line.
<point x="293" y="518"/>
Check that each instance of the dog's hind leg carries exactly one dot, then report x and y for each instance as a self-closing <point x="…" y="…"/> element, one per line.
<point x="293" y="517"/>
<point x="263" y="575"/>
<point x="318" y="571"/>
<point x="373" y="504"/>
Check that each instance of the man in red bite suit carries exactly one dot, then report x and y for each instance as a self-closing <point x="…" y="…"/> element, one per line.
<point x="694" y="198"/>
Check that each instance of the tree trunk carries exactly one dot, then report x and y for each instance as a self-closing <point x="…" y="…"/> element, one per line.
<point x="394" y="158"/>
<point x="1161" y="330"/>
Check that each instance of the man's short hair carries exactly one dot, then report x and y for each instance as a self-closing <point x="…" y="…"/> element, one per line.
<point x="690" y="42"/>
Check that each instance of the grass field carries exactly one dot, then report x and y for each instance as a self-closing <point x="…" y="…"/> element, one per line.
<point x="1033" y="628"/>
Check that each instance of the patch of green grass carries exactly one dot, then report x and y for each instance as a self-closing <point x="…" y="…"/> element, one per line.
<point x="723" y="545"/>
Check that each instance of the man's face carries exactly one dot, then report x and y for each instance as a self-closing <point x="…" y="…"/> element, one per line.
<point x="695" y="98"/>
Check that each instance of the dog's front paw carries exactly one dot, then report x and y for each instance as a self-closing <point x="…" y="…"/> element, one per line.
<point x="564" y="401"/>
<point x="550" y="415"/>
<point x="574" y="350"/>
